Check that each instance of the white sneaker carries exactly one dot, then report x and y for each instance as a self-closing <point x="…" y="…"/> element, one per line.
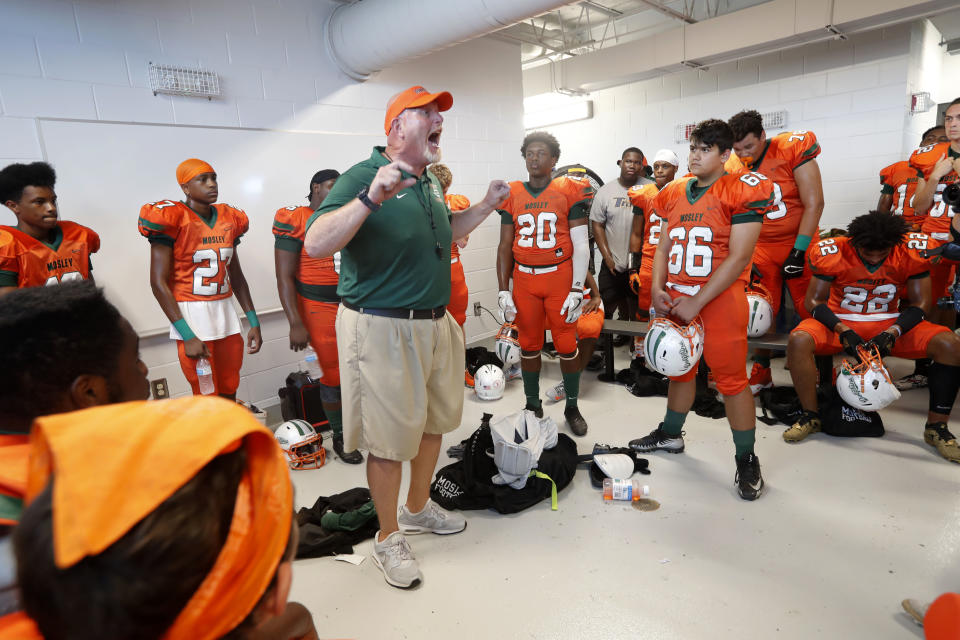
<point x="556" y="393"/>
<point x="433" y="519"/>
<point x="395" y="558"/>
<point x="513" y="372"/>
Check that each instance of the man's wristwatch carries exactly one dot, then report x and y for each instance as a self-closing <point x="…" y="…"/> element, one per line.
<point x="365" y="199"/>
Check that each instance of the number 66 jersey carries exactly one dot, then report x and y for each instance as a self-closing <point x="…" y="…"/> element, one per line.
<point x="202" y="250"/>
<point x="862" y="293"/>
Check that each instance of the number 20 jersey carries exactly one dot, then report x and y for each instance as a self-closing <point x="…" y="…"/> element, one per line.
<point x="697" y="223"/>
<point x="859" y="293"/>
<point x="202" y="251"/>
<point x="542" y="221"/>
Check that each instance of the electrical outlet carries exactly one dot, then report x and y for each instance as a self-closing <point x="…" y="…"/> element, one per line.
<point x="476" y="309"/>
<point x="159" y="389"/>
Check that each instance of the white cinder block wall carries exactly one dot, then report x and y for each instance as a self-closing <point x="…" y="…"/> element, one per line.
<point x="854" y="94"/>
<point x="87" y="60"/>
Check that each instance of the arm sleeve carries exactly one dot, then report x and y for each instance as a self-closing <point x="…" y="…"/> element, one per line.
<point x="581" y="256"/>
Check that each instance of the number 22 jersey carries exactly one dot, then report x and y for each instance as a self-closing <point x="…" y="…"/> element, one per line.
<point x="697" y="223"/>
<point x="861" y="293"/>
<point x="541" y="220"/>
<point x="202" y="249"/>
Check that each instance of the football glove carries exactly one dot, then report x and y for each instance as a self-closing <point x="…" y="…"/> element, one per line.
<point x="634" y="282"/>
<point x="793" y="265"/>
<point x="850" y="341"/>
<point x="508" y="310"/>
<point x="884" y="342"/>
<point x="572" y="306"/>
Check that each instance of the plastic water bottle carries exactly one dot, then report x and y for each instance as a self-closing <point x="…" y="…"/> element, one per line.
<point x="312" y="363"/>
<point x="205" y="376"/>
<point x="630" y="489"/>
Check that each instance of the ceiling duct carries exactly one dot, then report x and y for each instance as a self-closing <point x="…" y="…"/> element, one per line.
<point x="365" y="37"/>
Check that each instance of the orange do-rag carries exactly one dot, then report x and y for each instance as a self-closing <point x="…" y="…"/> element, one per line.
<point x="116" y="464"/>
<point x="190" y="169"/>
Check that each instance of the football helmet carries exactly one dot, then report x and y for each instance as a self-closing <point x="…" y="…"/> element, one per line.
<point x="508" y="344"/>
<point x="866" y="385"/>
<point x="302" y="444"/>
<point x="761" y="313"/>
<point x="673" y="350"/>
<point x="489" y="382"/>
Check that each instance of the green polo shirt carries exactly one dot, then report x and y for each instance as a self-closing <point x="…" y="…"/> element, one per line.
<point x="393" y="261"/>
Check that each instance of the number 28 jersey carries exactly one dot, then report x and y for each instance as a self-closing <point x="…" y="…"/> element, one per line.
<point x="697" y="223"/>
<point x="202" y="250"/>
<point x="541" y="220"/>
<point x="859" y="293"/>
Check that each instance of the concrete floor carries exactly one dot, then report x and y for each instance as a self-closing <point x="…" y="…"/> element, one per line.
<point x="844" y="531"/>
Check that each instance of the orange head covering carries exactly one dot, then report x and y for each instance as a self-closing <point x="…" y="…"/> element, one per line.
<point x="190" y="169"/>
<point x="152" y="449"/>
<point x="414" y="97"/>
<point x="942" y="621"/>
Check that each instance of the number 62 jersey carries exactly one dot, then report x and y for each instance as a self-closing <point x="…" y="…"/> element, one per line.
<point x="859" y="293"/>
<point x="202" y="250"/>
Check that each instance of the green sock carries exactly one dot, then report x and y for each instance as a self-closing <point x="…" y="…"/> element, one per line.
<point x="673" y="422"/>
<point x="335" y="416"/>
<point x="531" y="388"/>
<point x="743" y="441"/>
<point x="763" y="361"/>
<point x="571" y="384"/>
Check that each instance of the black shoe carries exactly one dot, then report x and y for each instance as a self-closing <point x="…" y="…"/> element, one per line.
<point x="621" y="340"/>
<point x="657" y="440"/>
<point x="537" y="412"/>
<point x="596" y="362"/>
<point x="748" y="478"/>
<point x="350" y="457"/>
<point x="577" y="424"/>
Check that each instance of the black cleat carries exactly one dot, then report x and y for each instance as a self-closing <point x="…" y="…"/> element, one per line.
<point x="350" y="457"/>
<point x="537" y="411"/>
<point x="658" y="440"/>
<point x="577" y="424"/>
<point x="748" y="479"/>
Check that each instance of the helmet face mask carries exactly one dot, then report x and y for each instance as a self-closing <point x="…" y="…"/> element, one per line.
<point x="761" y="313"/>
<point x="508" y="344"/>
<point x="671" y="349"/>
<point x="302" y="444"/>
<point x="489" y="382"/>
<point x="867" y="384"/>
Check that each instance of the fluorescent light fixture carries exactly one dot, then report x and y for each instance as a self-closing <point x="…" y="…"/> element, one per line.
<point x="570" y="112"/>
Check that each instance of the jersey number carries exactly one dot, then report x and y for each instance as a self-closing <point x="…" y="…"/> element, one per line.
<point x="939" y="207"/>
<point x="70" y="276"/>
<point x="753" y="179"/>
<point x="211" y="271"/>
<point x="902" y="199"/>
<point x="540" y="230"/>
<point x="828" y="246"/>
<point x="655" y="223"/>
<point x="917" y="241"/>
<point x="879" y="299"/>
<point x="699" y="257"/>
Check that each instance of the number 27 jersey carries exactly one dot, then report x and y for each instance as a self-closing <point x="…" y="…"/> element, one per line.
<point x="202" y="250"/>
<point x="541" y="220"/>
<point x="859" y="293"/>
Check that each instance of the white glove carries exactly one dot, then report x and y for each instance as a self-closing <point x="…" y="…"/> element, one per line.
<point x="572" y="306"/>
<point x="508" y="310"/>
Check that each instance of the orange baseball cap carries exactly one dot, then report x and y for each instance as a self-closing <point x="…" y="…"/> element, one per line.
<point x="415" y="97"/>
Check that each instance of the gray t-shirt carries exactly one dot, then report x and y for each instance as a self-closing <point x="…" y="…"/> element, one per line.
<point x="612" y="208"/>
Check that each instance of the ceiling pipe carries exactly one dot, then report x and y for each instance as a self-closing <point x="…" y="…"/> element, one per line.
<point x="365" y="37"/>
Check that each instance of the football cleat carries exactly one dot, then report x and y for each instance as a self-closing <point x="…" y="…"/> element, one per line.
<point x="807" y="423"/>
<point x="749" y="480"/>
<point x="658" y="440"/>
<point x="937" y="435"/>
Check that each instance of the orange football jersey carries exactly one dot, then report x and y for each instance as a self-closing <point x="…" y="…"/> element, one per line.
<point x="289" y="229"/>
<point x="456" y="202"/>
<point x="861" y="293"/>
<point x="781" y="156"/>
<point x="541" y="220"/>
<point x="28" y="262"/>
<point x="14" y="452"/>
<point x="642" y="198"/>
<point x="202" y="250"/>
<point x="900" y="180"/>
<point x="937" y="220"/>
<point x="697" y="223"/>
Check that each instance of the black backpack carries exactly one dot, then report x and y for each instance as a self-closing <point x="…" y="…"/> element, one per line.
<point x="841" y="420"/>
<point x="467" y="484"/>
<point x="300" y="400"/>
<point x="779" y="404"/>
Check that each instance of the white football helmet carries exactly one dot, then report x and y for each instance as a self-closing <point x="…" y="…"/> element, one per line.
<point x="866" y="385"/>
<point x="489" y="382"/>
<point x="302" y="444"/>
<point x="508" y="344"/>
<point x="673" y="350"/>
<point x="761" y="313"/>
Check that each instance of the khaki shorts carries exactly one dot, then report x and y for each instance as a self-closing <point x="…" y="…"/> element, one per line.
<point x="399" y="379"/>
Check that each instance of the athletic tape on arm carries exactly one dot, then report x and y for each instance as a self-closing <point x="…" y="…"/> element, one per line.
<point x="581" y="256"/>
